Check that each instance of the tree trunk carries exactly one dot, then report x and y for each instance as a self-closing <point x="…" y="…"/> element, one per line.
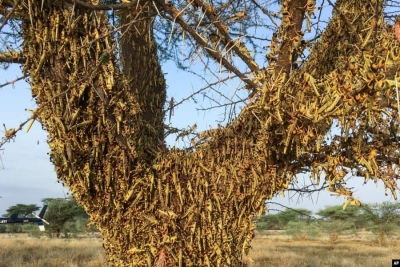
<point x="144" y="80"/>
<point x="104" y="125"/>
<point x="145" y="86"/>
<point x="152" y="206"/>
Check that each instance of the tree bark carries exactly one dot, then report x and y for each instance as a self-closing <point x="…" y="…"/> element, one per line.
<point x="144" y="78"/>
<point x="145" y="86"/>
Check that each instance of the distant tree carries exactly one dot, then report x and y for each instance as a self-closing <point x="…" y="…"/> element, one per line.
<point x="61" y="211"/>
<point x="22" y="210"/>
<point x="280" y="220"/>
<point x="269" y="222"/>
<point x="291" y="215"/>
<point x="381" y="218"/>
<point x="338" y="213"/>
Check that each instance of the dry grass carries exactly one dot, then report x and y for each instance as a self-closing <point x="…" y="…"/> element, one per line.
<point x="21" y="250"/>
<point x="361" y="250"/>
<point x="268" y="249"/>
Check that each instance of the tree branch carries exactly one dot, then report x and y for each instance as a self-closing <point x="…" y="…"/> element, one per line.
<point x="12" y="132"/>
<point x="8" y="58"/>
<point x="13" y="81"/>
<point x="291" y="35"/>
<point x="176" y="15"/>
<point x="103" y="7"/>
<point x="238" y="47"/>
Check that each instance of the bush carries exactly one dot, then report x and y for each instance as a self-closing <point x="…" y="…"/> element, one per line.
<point x="14" y="228"/>
<point x="262" y="226"/>
<point x="334" y="228"/>
<point x="32" y="230"/>
<point x="268" y="222"/>
<point x="302" y="230"/>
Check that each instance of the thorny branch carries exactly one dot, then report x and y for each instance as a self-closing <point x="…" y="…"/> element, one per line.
<point x="219" y="105"/>
<point x="289" y="208"/>
<point x="191" y="96"/>
<point x="237" y="46"/>
<point x="13" y="81"/>
<point x="176" y="16"/>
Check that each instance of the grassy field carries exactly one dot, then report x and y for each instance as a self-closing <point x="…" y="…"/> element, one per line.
<point x="20" y="250"/>
<point x="270" y="248"/>
<point x="360" y="250"/>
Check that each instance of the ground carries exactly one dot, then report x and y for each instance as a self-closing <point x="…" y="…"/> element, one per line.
<point x="269" y="248"/>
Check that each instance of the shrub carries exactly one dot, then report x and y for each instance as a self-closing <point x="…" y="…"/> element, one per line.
<point x="302" y="230"/>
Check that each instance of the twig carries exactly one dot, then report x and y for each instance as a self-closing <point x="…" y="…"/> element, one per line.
<point x="7" y="139"/>
<point x="175" y="15"/>
<point x="6" y="18"/>
<point x="289" y="208"/>
<point x="199" y="91"/>
<point x="8" y="58"/>
<point x="221" y="105"/>
<point x="13" y="81"/>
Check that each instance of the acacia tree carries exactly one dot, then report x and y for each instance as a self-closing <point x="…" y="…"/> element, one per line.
<point x="336" y="213"/>
<point x="61" y="211"/>
<point x="383" y="219"/>
<point x="100" y="94"/>
<point x="22" y="210"/>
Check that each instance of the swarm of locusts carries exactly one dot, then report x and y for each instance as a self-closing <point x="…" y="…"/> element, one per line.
<point x="196" y="207"/>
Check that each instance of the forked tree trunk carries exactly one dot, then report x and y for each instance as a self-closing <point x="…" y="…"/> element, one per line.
<point x="105" y="124"/>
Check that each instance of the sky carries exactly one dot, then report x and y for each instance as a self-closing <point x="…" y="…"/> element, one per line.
<point x="27" y="176"/>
